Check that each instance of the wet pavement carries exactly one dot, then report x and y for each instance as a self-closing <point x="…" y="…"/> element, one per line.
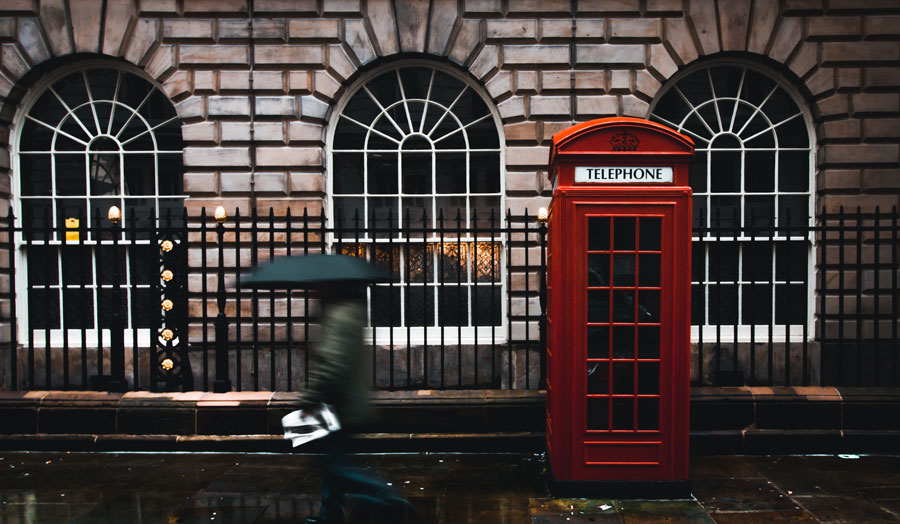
<point x="150" y="488"/>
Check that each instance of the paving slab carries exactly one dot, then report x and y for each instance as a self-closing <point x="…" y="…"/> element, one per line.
<point x="448" y="488"/>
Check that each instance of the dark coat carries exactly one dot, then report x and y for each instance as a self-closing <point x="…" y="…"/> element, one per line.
<point x="339" y="373"/>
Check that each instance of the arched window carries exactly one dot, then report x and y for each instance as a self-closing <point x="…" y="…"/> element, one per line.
<point x="752" y="179"/>
<point x="93" y="138"/>
<point x="415" y="182"/>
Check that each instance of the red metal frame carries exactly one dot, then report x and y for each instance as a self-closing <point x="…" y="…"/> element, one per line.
<point x="617" y="452"/>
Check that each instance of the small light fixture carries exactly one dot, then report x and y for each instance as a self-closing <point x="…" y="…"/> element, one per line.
<point x="167" y="275"/>
<point x="167" y="245"/>
<point x="167" y="304"/>
<point x="167" y="334"/>
<point x="114" y="214"/>
<point x="542" y="215"/>
<point x="167" y="364"/>
<point x="221" y="215"/>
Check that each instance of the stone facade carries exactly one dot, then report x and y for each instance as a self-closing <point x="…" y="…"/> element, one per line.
<point x="545" y="65"/>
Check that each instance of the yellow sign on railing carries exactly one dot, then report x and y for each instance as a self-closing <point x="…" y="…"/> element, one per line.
<point x="72" y="236"/>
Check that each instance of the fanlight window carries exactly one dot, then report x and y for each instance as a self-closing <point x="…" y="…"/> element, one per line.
<point x="416" y="187"/>
<point x="751" y="180"/>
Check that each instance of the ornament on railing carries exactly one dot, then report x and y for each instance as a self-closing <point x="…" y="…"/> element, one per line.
<point x="167" y="334"/>
<point x="167" y="364"/>
<point x="167" y="275"/>
<point x="167" y="245"/>
<point x="167" y="304"/>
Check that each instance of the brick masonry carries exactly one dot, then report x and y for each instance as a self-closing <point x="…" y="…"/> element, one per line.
<point x="842" y="57"/>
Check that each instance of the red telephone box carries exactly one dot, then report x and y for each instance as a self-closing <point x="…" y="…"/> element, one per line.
<point x="618" y="309"/>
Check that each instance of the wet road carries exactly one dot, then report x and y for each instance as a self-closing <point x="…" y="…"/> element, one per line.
<point x="124" y="488"/>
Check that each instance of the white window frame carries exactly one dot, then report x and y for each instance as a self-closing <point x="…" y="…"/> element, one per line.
<point x="432" y="335"/>
<point x="745" y="332"/>
<point x="92" y="336"/>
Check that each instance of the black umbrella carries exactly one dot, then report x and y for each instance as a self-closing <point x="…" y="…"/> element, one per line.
<point x="314" y="270"/>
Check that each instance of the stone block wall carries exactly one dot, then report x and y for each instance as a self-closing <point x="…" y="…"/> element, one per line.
<point x="545" y="65"/>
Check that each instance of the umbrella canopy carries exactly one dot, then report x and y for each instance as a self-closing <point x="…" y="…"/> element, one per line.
<point x="313" y="270"/>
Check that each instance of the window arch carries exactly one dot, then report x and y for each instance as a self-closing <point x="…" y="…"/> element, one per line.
<point x="415" y="154"/>
<point x="90" y="137"/>
<point x="752" y="182"/>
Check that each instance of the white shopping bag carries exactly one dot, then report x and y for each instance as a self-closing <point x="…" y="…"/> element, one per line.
<point x="302" y="426"/>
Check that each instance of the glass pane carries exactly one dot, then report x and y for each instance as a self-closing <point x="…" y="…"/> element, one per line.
<point x="759" y="175"/>
<point x="70" y="174"/>
<point x="623" y="305"/>
<point x="651" y="229"/>
<point x="43" y="308"/>
<point x="453" y="211"/>
<point x="793" y="133"/>
<point x="486" y="306"/>
<point x="107" y="306"/>
<point x="385" y="131"/>
<point x="698" y="304"/>
<point x="382" y="175"/>
<point x="453" y="262"/>
<point x="484" y="172"/>
<point x="700" y="210"/>
<point x="385" y="306"/>
<point x="742" y="116"/>
<point x="415" y="81"/>
<point x="598" y="305"/>
<point x="598" y="269"/>
<point x="597" y="413"/>
<point x="35" y="137"/>
<point x="793" y="171"/>
<point x="449" y="135"/>
<point x="598" y="378"/>
<point x="598" y="233"/>
<point x="672" y="107"/>
<point x="765" y="140"/>
<point x="623" y="341"/>
<point x="445" y="88"/>
<point x="145" y="304"/>
<point x="416" y="111"/>
<point x="790" y="304"/>
<point x="104" y="174"/>
<point x="793" y="211"/>
<point x="348" y="173"/>
<point x="623" y="233"/>
<point x="725" y="212"/>
<point x="648" y="340"/>
<point x="34" y="174"/>
<point x="78" y="308"/>
<point x="170" y="174"/>
<point x="133" y="90"/>
<point x="648" y="269"/>
<point x="76" y="265"/>
<point x="723" y="261"/>
<point x="349" y="135"/>
<point x="757" y="263"/>
<point x="648" y="378"/>
<point x="42" y="266"/>
<point x="73" y="208"/>
<point x="698" y="262"/>
<point x="756" y="304"/>
<point x="726" y="81"/>
<point x="36" y="218"/>
<point x="759" y="214"/>
<point x="144" y="264"/>
<point x="168" y="137"/>
<point x="346" y="210"/>
<point x="623" y="413"/>
<point x="708" y="113"/>
<point x="388" y="258"/>
<point x="140" y="174"/>
<point x="648" y="306"/>
<point x="487" y="257"/>
<point x="756" y="87"/>
<point x="726" y="171"/>
<point x="698" y="172"/>
<point x="419" y="306"/>
<point x="790" y="261"/>
<point x="483" y="135"/>
<point x="648" y="413"/>
<point x="48" y="110"/>
<point x="415" y="211"/>
<point x="453" y="305"/>
<point x="696" y="87"/>
<point x="482" y="208"/>
<point x="418" y="263"/>
<point x="780" y="106"/>
<point x="623" y="269"/>
<point x="598" y="341"/>
<point x="450" y="172"/>
<point x="722" y="304"/>
<point x="361" y="108"/>
<point x="108" y="259"/>
<point x="383" y="215"/>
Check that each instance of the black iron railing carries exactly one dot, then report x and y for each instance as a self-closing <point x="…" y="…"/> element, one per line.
<point x="773" y="304"/>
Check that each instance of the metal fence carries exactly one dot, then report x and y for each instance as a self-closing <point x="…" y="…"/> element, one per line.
<point x="156" y="303"/>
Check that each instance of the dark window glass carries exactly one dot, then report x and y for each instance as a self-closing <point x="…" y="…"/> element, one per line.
<point x="598" y="378"/>
<point x="598" y="413"/>
<point x="598" y="342"/>
<point x="623" y="341"/>
<point x="648" y="413"/>
<point x="623" y="233"/>
<point x="623" y="413"/>
<point x="598" y="233"/>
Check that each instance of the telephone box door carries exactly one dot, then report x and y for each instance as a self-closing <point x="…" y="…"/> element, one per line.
<point x="624" y="400"/>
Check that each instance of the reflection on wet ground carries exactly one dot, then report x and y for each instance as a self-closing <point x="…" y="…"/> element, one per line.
<point x="124" y="488"/>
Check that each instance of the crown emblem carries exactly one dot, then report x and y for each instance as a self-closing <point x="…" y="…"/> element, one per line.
<point x="624" y="142"/>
